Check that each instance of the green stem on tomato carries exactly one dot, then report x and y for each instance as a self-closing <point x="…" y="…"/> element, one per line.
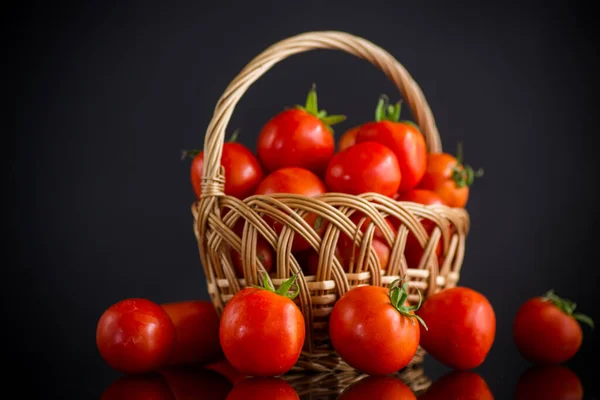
<point x="312" y="107"/>
<point x="190" y="153"/>
<point x="398" y="296"/>
<point x="463" y="175"/>
<point x="284" y="289"/>
<point x="567" y="306"/>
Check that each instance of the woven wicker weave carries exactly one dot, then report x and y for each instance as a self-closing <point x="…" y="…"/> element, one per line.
<point x="215" y="214"/>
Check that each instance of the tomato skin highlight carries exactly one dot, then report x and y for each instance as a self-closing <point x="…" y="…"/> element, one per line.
<point x="544" y="334"/>
<point x="462" y="327"/>
<point x="261" y="332"/>
<point x="263" y="388"/>
<point x="364" y="167"/>
<point x="552" y="382"/>
<point x="197" y="332"/>
<point x="135" y="336"/>
<point x="295" y="138"/>
<point x="294" y="180"/>
<point x="459" y="385"/>
<point x="370" y="334"/>
<point x="438" y="178"/>
<point x="378" y="387"/>
<point x="243" y="172"/>
<point x="407" y="143"/>
<point x="348" y="139"/>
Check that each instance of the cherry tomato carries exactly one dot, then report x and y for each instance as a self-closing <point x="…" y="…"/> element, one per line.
<point x="552" y="382"/>
<point x="449" y="178"/>
<point x="546" y="329"/>
<point x="138" y="387"/>
<point x="243" y="172"/>
<point x="263" y="389"/>
<point x="459" y="385"/>
<point x="413" y="250"/>
<point x="262" y="331"/>
<point x="348" y="139"/>
<point x="295" y="181"/>
<point x="378" y="387"/>
<point x="264" y="252"/>
<point x="225" y="368"/>
<point x="191" y="383"/>
<point x="298" y="137"/>
<point x="402" y="137"/>
<point x="135" y="336"/>
<point x="462" y="327"/>
<point x="375" y="329"/>
<point x="197" y="332"/>
<point x="347" y="250"/>
<point x="364" y="167"/>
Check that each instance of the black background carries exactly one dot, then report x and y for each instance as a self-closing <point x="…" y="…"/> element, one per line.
<point x="106" y="94"/>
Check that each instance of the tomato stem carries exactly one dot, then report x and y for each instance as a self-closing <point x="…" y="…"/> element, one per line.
<point x="312" y="107"/>
<point x="234" y="136"/>
<point x="388" y="112"/>
<point x="284" y="289"/>
<point x="464" y="175"/>
<point x="189" y="153"/>
<point x="567" y="306"/>
<point x="398" y="297"/>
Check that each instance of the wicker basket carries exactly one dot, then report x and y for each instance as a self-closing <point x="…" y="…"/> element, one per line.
<point x="215" y="214"/>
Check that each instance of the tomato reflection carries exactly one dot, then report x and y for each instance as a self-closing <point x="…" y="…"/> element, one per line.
<point x="138" y="387"/>
<point x="458" y="385"/>
<point x="263" y="388"/>
<point x="549" y="383"/>
<point x="225" y="368"/>
<point x="378" y="387"/>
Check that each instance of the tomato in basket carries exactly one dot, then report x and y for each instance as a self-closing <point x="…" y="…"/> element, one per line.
<point x="299" y="137"/>
<point x="402" y="137"/>
<point x="264" y="252"/>
<point x="348" y="139"/>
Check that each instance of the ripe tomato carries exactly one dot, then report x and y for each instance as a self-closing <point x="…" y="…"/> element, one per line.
<point x="459" y="385"/>
<point x="375" y="329"/>
<point x="298" y="137"/>
<point x="449" y="178"/>
<point x="263" y="388"/>
<point x="378" y="387"/>
<point x="413" y="250"/>
<point x="138" y="387"/>
<point x="243" y="172"/>
<point x="347" y="250"/>
<point x="262" y="330"/>
<point x="546" y="330"/>
<point x="402" y="137"/>
<point x="348" y="139"/>
<point x="364" y="167"/>
<point x="264" y="252"/>
<point x="191" y="383"/>
<point x="552" y="382"/>
<point x="295" y="181"/>
<point x="462" y="327"/>
<point x="197" y="332"/>
<point x="135" y="336"/>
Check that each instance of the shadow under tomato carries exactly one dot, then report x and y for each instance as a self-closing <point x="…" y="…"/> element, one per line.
<point x="458" y="385"/>
<point x="378" y="387"/>
<point x="263" y="388"/>
<point x="554" y="382"/>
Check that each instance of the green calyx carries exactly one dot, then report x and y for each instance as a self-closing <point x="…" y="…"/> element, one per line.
<point x="398" y="296"/>
<point x="284" y="289"/>
<point x="390" y="112"/>
<point x="568" y="307"/>
<point x="312" y="108"/>
<point x="462" y="174"/>
<point x="194" y="152"/>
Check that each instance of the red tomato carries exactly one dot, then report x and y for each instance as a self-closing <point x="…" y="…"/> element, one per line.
<point x="298" y="137"/>
<point x="402" y="137"/>
<point x="348" y="250"/>
<point x="462" y="327"/>
<point x="264" y="252"/>
<point x="295" y="181"/>
<point x="138" y="387"/>
<point x="546" y="330"/>
<point x="374" y="329"/>
<point x="192" y="383"/>
<point x="553" y="382"/>
<point x="364" y="167"/>
<point x="225" y="368"/>
<point x="378" y="387"/>
<point x="413" y="250"/>
<point x="197" y="332"/>
<point x="459" y="385"/>
<point x="449" y="178"/>
<point x="135" y="336"/>
<point x="348" y="139"/>
<point x="262" y="331"/>
<point x="263" y="389"/>
<point x="243" y="172"/>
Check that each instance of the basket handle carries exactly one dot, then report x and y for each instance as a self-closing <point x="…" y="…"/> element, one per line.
<point x="215" y="135"/>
